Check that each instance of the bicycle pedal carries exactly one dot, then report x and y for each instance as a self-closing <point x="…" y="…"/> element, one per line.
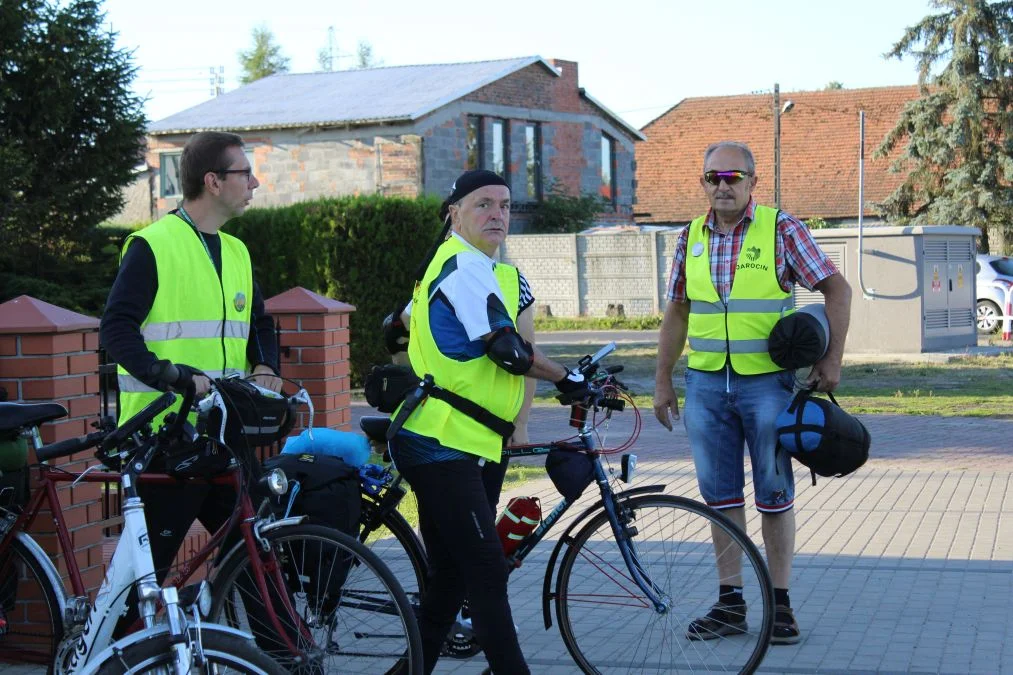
<point x="460" y="646"/>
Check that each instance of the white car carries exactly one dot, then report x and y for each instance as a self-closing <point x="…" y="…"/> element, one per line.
<point x="994" y="279"/>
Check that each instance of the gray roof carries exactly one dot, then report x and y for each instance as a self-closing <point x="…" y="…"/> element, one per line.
<point x="348" y="97"/>
<point x="398" y="95"/>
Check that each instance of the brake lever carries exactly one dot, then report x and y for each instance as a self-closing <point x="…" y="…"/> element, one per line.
<point x="303" y="396"/>
<point x="215" y="400"/>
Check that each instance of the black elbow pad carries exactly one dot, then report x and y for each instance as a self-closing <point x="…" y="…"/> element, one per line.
<point x="510" y="351"/>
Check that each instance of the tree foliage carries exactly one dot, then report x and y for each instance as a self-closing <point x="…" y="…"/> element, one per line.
<point x="71" y="132"/>
<point x="959" y="133"/>
<point x="833" y="85"/>
<point x="561" y="212"/>
<point x="263" y="58"/>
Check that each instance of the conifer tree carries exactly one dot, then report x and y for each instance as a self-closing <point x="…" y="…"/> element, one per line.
<point x="958" y="136"/>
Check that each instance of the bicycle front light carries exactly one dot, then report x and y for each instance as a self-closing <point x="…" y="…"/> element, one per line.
<point x="277" y="482"/>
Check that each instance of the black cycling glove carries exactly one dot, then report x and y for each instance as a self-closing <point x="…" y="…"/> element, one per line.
<point x="176" y="376"/>
<point x="574" y="387"/>
<point x="395" y="333"/>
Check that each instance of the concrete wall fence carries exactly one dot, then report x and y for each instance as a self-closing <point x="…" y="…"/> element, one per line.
<point x="583" y="274"/>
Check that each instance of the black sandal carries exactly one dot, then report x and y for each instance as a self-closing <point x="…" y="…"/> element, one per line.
<point x="786" y="630"/>
<point x="721" y="620"/>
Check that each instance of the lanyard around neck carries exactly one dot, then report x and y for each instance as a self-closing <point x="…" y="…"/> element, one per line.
<point x="189" y="221"/>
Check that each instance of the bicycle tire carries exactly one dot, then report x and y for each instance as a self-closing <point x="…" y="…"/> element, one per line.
<point x="605" y="625"/>
<point x="369" y="627"/>
<point x="31" y="606"/>
<point x="405" y="556"/>
<point x="237" y="653"/>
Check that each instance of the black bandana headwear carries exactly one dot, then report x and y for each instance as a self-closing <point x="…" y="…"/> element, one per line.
<point x="466" y="183"/>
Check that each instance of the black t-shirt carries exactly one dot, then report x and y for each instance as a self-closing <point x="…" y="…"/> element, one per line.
<point x="130" y="301"/>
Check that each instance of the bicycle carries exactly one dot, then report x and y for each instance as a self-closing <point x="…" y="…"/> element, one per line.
<point x="79" y="637"/>
<point x="265" y="582"/>
<point x="634" y="568"/>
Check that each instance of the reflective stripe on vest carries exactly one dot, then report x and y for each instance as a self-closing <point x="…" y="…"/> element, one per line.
<point x="174" y="330"/>
<point x="196" y="318"/>
<point x="478" y="380"/>
<point x="735" y="331"/>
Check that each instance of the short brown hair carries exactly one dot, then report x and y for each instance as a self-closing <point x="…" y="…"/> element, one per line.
<point x="204" y="152"/>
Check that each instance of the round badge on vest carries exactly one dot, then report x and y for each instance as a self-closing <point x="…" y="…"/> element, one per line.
<point x="240" y="301"/>
<point x="697" y="249"/>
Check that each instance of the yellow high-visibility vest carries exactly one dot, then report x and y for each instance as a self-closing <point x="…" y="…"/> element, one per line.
<point x="739" y="329"/>
<point x="478" y="380"/>
<point x="196" y="318"/>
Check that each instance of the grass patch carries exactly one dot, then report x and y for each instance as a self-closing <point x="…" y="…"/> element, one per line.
<point x="552" y="323"/>
<point x="972" y="386"/>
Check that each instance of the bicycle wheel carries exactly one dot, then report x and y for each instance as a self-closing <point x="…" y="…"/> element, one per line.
<point x="30" y="605"/>
<point x="348" y="614"/>
<point x="401" y="550"/>
<point x="609" y="625"/>
<point x="224" y="653"/>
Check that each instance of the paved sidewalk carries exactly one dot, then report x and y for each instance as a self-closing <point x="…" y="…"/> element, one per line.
<point x="904" y="567"/>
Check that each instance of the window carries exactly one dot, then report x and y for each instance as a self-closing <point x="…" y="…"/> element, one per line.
<point x="608" y="172"/>
<point x="474" y="142"/>
<point x="533" y="143"/>
<point x="500" y="148"/>
<point x="169" y="174"/>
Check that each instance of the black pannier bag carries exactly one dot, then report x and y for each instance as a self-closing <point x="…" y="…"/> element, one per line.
<point x="326" y="490"/>
<point x="820" y="435"/>
<point x="14" y="494"/>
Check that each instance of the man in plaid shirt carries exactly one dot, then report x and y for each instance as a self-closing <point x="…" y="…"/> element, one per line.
<point x="732" y="277"/>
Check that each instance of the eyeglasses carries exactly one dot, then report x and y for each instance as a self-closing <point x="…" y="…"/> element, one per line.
<point x="729" y="177"/>
<point x="242" y="172"/>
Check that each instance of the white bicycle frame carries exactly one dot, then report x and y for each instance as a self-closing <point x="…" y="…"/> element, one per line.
<point x="131" y="564"/>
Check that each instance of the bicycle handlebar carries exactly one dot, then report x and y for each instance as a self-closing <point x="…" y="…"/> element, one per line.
<point x="70" y="446"/>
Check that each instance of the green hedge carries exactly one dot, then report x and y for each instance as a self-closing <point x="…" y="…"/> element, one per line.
<point x="360" y="250"/>
<point x="78" y="279"/>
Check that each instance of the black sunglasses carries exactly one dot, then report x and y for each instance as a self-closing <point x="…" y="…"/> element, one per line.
<point x="729" y="177"/>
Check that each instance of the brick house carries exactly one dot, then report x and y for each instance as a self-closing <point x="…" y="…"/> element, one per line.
<point x="413" y="129"/>
<point x="819" y="152"/>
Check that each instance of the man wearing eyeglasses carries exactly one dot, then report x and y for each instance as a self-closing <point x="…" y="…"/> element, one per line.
<point x="731" y="280"/>
<point x="185" y="295"/>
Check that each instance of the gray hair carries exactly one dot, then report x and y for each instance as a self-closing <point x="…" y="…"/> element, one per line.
<point x="741" y="147"/>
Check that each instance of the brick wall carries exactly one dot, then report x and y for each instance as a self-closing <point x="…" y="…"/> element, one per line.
<point x="49" y="354"/>
<point x="291" y="170"/>
<point x="314" y="342"/>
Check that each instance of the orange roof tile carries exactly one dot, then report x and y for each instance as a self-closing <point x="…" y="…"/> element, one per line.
<point x="819" y="151"/>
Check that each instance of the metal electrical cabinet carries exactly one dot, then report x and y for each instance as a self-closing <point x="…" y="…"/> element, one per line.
<point x="913" y="290"/>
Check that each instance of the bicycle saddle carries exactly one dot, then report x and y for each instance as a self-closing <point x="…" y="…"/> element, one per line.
<point x="375" y="427"/>
<point x="15" y="416"/>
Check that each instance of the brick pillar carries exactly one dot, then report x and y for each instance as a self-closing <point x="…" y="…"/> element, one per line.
<point x="48" y="353"/>
<point x="314" y="331"/>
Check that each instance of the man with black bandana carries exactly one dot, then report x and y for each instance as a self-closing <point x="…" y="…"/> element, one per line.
<point x="185" y="295"/>
<point x="463" y="333"/>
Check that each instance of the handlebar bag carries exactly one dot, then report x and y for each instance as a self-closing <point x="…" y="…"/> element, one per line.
<point x="255" y="418"/>
<point x="822" y="436"/>
<point x="326" y="490"/>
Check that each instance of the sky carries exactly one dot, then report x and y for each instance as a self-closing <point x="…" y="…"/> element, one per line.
<point x="638" y="57"/>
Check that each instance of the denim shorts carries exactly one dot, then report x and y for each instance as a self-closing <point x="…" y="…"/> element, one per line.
<point x="726" y="412"/>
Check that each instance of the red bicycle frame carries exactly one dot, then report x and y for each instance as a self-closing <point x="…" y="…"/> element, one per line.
<point x="263" y="563"/>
